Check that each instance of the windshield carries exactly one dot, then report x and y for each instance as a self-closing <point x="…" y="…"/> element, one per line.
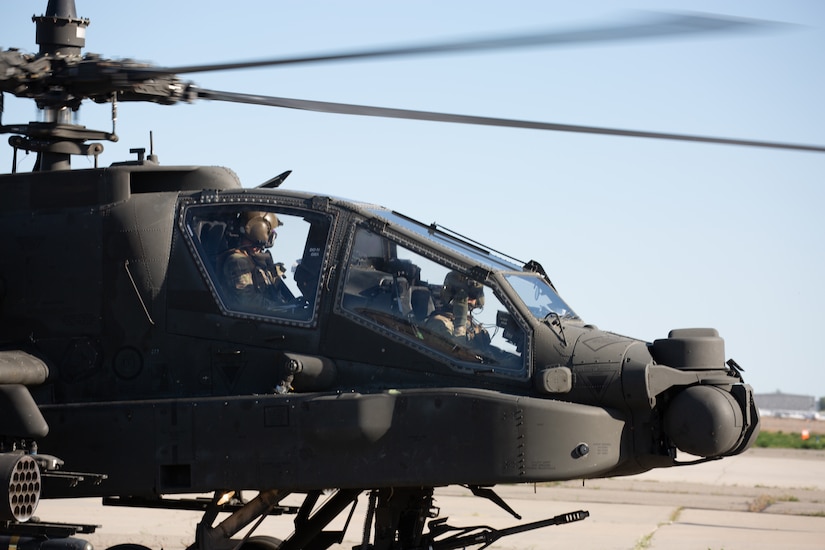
<point x="439" y="308"/>
<point x="533" y="289"/>
<point x="539" y="296"/>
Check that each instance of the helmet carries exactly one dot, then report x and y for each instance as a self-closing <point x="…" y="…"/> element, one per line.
<point x="459" y="288"/>
<point x="259" y="227"/>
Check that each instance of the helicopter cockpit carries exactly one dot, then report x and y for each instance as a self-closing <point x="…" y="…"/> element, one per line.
<point x="261" y="261"/>
<point x="446" y="296"/>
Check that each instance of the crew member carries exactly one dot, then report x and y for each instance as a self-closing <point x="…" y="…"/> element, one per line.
<point x="453" y="320"/>
<point x="253" y="280"/>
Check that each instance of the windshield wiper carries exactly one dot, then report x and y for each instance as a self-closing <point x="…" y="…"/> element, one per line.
<point x="556" y="322"/>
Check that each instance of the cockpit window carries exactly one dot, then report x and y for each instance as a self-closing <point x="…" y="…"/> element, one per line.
<point x="441" y="308"/>
<point x="263" y="261"/>
<point x="539" y="296"/>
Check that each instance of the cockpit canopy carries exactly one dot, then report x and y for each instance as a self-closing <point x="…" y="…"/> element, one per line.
<point x="442" y="294"/>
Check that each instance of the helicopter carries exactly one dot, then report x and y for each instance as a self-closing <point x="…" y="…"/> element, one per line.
<point x="182" y="334"/>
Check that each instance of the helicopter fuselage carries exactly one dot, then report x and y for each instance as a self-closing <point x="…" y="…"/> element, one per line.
<point x="113" y="279"/>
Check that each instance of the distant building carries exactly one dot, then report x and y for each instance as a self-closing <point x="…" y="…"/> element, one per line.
<point x="785" y="404"/>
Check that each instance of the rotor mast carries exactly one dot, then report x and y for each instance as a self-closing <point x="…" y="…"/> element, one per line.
<point x="60" y="31"/>
<point x="61" y="35"/>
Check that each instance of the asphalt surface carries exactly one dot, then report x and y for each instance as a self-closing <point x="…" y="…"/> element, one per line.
<point x="763" y="499"/>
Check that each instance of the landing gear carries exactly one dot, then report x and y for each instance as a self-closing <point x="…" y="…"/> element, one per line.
<point x="400" y="516"/>
<point x="310" y="522"/>
<point x="395" y="519"/>
<point x="219" y="537"/>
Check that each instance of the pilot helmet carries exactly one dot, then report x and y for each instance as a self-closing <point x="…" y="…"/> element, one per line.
<point x="458" y="288"/>
<point x="259" y="227"/>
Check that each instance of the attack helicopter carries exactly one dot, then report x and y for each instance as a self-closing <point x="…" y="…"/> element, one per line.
<point x="153" y="348"/>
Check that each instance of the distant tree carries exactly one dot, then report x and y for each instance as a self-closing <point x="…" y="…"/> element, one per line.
<point x="822" y="403"/>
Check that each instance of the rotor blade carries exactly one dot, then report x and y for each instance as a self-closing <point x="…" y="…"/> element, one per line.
<point x="384" y="112"/>
<point x="662" y="25"/>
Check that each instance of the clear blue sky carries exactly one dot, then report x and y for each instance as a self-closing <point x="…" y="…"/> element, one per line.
<point x="639" y="236"/>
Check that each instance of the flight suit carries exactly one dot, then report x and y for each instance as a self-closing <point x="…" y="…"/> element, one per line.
<point x="253" y="281"/>
<point x="443" y="323"/>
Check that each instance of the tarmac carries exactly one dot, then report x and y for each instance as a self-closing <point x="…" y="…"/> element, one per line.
<point x="762" y="499"/>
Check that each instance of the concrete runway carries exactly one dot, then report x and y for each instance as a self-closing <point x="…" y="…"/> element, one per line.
<point x="763" y="499"/>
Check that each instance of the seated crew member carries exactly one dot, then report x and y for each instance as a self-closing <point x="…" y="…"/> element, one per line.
<point x="453" y="320"/>
<point x="253" y="280"/>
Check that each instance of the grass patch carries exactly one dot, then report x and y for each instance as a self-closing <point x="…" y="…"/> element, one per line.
<point x="674" y="516"/>
<point x="760" y="503"/>
<point x="644" y="542"/>
<point x="792" y="440"/>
